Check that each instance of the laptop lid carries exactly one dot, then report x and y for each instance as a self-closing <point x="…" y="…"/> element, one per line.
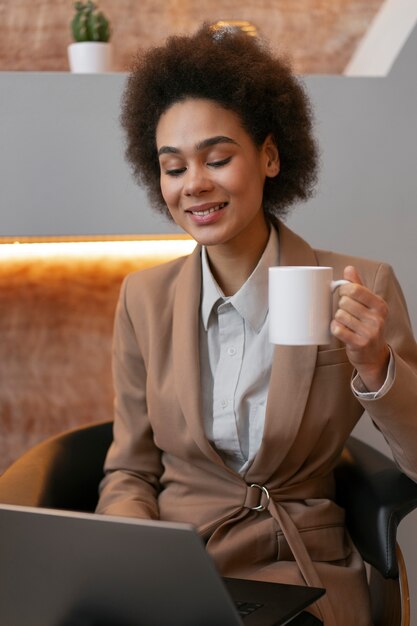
<point x="60" y="568"/>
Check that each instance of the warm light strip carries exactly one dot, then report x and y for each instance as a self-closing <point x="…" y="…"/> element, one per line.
<point x="160" y="248"/>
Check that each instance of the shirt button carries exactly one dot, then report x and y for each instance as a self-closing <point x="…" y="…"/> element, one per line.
<point x="224" y="404"/>
<point x="231" y="351"/>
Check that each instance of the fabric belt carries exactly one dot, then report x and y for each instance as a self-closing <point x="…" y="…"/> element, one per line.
<point x="259" y="498"/>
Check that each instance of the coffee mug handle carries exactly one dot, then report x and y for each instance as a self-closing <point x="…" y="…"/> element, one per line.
<point x="338" y="283"/>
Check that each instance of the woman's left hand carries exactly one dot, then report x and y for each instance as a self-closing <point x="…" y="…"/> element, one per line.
<point x="359" y="323"/>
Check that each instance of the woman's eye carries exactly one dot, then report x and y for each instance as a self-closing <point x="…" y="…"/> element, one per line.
<point x="177" y="171"/>
<point x="220" y="163"/>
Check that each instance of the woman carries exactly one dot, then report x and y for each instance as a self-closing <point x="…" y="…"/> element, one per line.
<point x="213" y="425"/>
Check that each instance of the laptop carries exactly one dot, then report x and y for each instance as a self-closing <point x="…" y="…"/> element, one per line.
<point x="60" y="568"/>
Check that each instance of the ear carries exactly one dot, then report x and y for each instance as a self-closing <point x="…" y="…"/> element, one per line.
<point x="272" y="157"/>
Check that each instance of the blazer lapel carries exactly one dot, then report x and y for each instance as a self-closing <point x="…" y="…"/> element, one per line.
<point x="185" y="339"/>
<point x="291" y="376"/>
<point x="292" y="369"/>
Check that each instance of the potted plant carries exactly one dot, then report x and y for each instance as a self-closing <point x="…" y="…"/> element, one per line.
<point x="90" y="29"/>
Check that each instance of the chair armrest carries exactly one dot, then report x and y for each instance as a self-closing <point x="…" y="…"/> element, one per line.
<point x="62" y="472"/>
<point x="376" y="496"/>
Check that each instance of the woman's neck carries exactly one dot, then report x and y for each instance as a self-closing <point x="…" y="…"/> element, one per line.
<point x="231" y="265"/>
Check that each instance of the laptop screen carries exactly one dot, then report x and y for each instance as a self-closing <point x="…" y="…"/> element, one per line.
<point x="64" y="569"/>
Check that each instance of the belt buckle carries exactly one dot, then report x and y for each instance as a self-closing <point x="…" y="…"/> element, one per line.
<point x="265" y="491"/>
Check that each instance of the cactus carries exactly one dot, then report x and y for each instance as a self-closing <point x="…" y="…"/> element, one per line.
<point x="89" y="24"/>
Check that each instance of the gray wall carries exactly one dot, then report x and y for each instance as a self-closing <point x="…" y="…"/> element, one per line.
<point x="62" y="172"/>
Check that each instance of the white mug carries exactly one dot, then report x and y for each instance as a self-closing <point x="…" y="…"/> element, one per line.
<point x="300" y="304"/>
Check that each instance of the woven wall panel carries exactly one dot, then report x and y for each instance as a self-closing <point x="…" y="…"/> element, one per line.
<point x="318" y="35"/>
<point x="56" y="331"/>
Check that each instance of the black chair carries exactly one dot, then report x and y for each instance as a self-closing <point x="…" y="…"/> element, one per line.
<point x="63" y="472"/>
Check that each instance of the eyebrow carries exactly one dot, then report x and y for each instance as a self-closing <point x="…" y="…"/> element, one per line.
<point x="205" y="143"/>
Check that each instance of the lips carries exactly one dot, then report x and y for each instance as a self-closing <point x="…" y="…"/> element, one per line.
<point x="204" y="210"/>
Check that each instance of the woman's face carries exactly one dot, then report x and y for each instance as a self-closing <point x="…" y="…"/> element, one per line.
<point x="212" y="173"/>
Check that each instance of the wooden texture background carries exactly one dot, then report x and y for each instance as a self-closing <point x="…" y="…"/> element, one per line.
<point x="319" y="36"/>
<point x="56" y="332"/>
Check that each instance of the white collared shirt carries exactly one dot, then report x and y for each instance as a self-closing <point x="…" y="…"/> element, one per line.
<point x="236" y="361"/>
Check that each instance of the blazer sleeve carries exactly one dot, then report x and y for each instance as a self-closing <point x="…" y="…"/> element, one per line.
<point x="133" y="464"/>
<point x="395" y="413"/>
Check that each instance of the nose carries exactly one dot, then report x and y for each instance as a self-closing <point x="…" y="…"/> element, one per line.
<point x="197" y="181"/>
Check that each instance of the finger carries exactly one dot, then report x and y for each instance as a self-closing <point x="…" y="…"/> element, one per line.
<point x="351" y="273"/>
<point x="363" y="304"/>
<point x="361" y="294"/>
<point x="369" y="325"/>
<point x="355" y="335"/>
<point x="350" y="337"/>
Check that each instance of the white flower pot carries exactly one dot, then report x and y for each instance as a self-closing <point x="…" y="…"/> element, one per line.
<point x="90" y="57"/>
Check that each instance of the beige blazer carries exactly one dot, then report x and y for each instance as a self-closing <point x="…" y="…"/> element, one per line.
<point x="161" y="465"/>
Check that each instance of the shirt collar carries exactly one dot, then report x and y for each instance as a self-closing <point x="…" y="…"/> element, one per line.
<point x="251" y="301"/>
<point x="210" y="292"/>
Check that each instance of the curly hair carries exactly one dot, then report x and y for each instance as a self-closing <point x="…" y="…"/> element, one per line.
<point x="239" y="73"/>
